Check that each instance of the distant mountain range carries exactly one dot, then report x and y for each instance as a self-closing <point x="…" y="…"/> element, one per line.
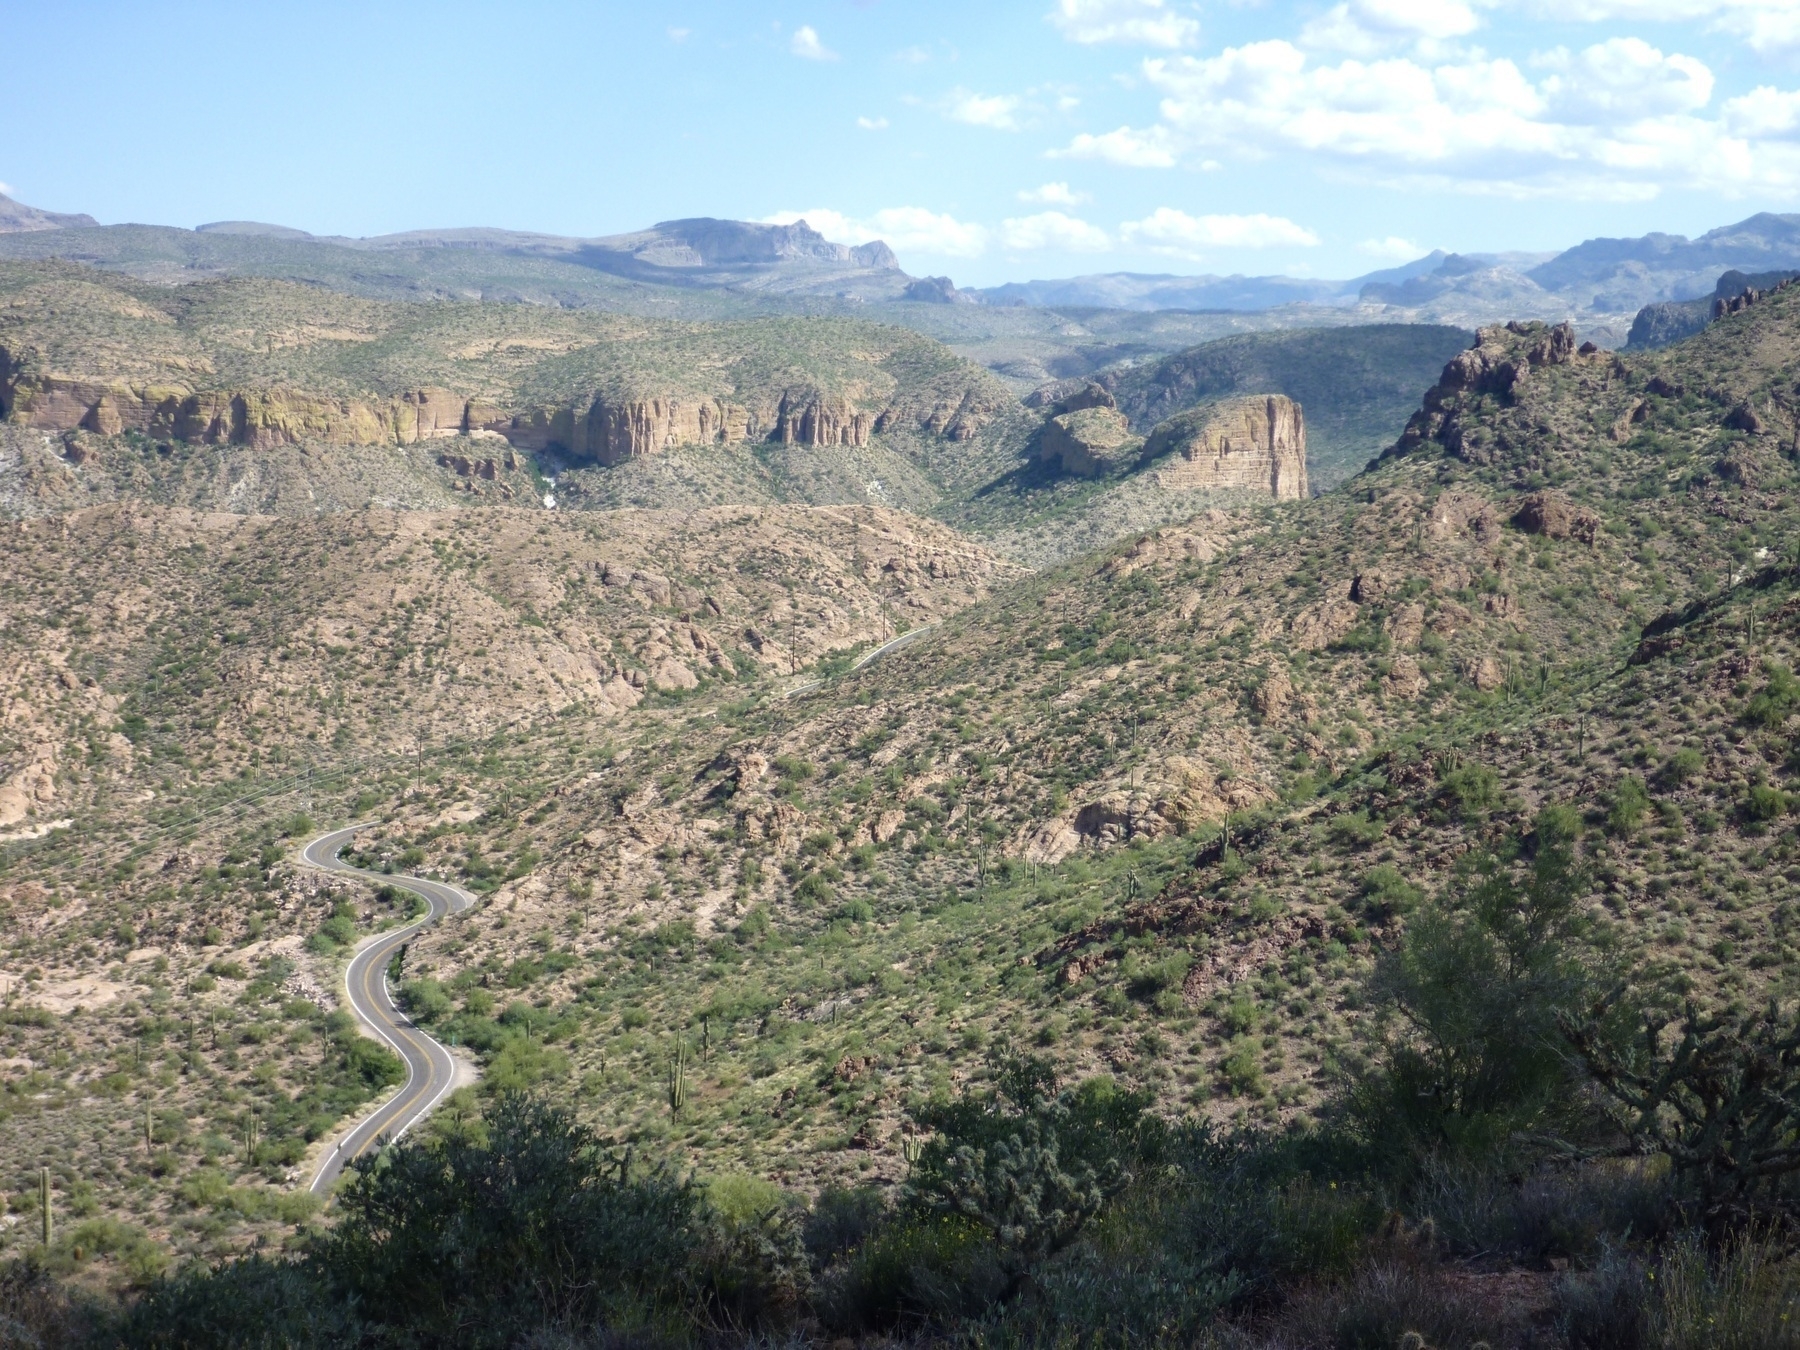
<point x="700" y="265"/>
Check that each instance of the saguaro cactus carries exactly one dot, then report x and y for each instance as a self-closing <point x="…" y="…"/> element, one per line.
<point x="678" y="1078"/>
<point x="44" y="1201"/>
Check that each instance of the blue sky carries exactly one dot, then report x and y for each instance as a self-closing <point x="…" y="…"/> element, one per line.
<point x="991" y="141"/>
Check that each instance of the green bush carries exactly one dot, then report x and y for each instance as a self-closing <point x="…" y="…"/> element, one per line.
<point x="1630" y="799"/>
<point x="1776" y="700"/>
<point x="1471" y="1059"/>
<point x="476" y="1243"/>
<point x="1766" y="803"/>
<point x="1387" y="894"/>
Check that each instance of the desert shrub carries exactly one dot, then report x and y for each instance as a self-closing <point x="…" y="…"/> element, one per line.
<point x="1149" y="976"/>
<point x="426" y="999"/>
<point x="1683" y="766"/>
<point x="1387" y="894"/>
<point x="1390" y="1299"/>
<point x="750" y="1266"/>
<point x="922" y="1268"/>
<point x="1356" y="829"/>
<point x="1771" y="705"/>
<point x="1470" y="1055"/>
<point x="254" y="1303"/>
<point x="1471" y="791"/>
<point x="1560" y="1209"/>
<point x="842" y="1219"/>
<point x="474" y="1242"/>
<point x="1744" y="1295"/>
<point x="1766" y="803"/>
<point x="39" y="1312"/>
<point x="1626" y="807"/>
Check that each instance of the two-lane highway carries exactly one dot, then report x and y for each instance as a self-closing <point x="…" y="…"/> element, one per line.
<point x="430" y="1068"/>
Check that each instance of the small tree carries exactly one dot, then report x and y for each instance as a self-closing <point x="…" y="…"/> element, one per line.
<point x="1471" y="1059"/>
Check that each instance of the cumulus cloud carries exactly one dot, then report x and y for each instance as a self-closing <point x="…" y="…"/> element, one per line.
<point x="1618" y="120"/>
<point x="1053" y="230"/>
<point x="906" y="229"/>
<point x="1370" y="27"/>
<point x="1764" y="25"/>
<point x="1142" y="23"/>
<point x="1393" y="248"/>
<point x="1167" y="230"/>
<point x="1149" y="149"/>
<point x="806" y="45"/>
<point x="1622" y="79"/>
<point x="997" y="111"/>
<point x="680" y="34"/>
<point x="1054" y="194"/>
<point x="872" y="123"/>
<point x="1763" y="113"/>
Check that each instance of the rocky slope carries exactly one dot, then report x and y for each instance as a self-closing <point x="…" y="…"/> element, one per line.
<point x="1153" y="812"/>
<point x="263" y="363"/>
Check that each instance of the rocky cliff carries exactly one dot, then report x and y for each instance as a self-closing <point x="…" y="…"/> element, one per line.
<point x="264" y="364"/>
<point x="1253" y="444"/>
<point x="605" y="430"/>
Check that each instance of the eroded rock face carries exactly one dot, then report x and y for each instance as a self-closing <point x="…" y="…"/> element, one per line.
<point x="1255" y="444"/>
<point x="604" y="429"/>
<point x="1089" y="441"/>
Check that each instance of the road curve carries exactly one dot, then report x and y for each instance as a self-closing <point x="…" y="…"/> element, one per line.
<point x="430" y="1069"/>
<point x="873" y="654"/>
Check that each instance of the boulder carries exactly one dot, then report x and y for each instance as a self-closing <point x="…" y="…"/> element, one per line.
<point x="1556" y="517"/>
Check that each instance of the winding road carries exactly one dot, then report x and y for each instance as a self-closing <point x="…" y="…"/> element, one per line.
<point x="430" y="1068"/>
<point x="893" y="644"/>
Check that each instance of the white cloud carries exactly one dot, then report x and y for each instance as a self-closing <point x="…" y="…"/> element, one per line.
<point x="1053" y="230"/>
<point x="680" y="34"/>
<point x="1765" y="25"/>
<point x="913" y="56"/>
<point x="1619" y="120"/>
<point x="1166" y="230"/>
<point x="1133" y="149"/>
<point x="1763" y="113"/>
<point x="983" y="110"/>
<point x="1623" y="78"/>
<point x="1054" y="194"/>
<point x="1143" y="23"/>
<point x="872" y="123"/>
<point x="805" y="44"/>
<point x="904" y="228"/>
<point x="6" y="190"/>
<point x="1393" y="247"/>
<point x="1369" y="27"/>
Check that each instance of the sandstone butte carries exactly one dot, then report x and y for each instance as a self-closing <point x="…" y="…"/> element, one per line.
<point x="604" y="429"/>
<point x="1253" y="444"/>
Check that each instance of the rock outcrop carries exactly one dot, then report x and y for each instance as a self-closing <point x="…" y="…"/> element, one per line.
<point x="1251" y="444"/>
<point x="1089" y="441"/>
<point x="605" y="430"/>
<point x="1499" y="365"/>
<point x="257" y="418"/>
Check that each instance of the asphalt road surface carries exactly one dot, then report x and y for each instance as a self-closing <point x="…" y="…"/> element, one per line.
<point x="430" y="1070"/>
